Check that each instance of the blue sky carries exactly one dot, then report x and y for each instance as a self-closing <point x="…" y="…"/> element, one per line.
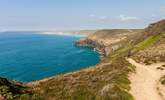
<point x="79" y="14"/>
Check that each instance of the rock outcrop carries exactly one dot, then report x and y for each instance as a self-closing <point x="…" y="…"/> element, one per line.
<point x="156" y="28"/>
<point x="92" y="43"/>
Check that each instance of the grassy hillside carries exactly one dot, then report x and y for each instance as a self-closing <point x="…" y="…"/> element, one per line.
<point x="108" y="33"/>
<point x="106" y="82"/>
<point x="109" y="37"/>
<point x="155" y="51"/>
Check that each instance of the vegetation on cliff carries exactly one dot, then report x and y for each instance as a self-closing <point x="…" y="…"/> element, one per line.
<point x="11" y="90"/>
<point x="155" y="43"/>
<point x="105" y="82"/>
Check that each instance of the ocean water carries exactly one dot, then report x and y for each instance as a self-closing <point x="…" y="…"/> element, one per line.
<point x="28" y="56"/>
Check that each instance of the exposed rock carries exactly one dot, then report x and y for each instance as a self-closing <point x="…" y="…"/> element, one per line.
<point x="106" y="89"/>
<point x="153" y="54"/>
<point x="106" y="41"/>
<point x="156" y="28"/>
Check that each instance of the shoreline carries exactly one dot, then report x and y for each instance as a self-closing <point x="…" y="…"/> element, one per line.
<point x="72" y="34"/>
<point x="97" y="46"/>
<point x="37" y="82"/>
<point x="64" y="34"/>
<point x="84" y="67"/>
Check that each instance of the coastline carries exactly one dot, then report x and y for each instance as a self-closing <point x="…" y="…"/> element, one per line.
<point x="97" y="45"/>
<point x="64" y="34"/>
<point x="37" y="82"/>
<point x="71" y="53"/>
<point x="87" y="69"/>
<point x="84" y="41"/>
<point x="72" y="34"/>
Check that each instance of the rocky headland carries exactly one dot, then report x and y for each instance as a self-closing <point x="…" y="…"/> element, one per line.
<point x="107" y="41"/>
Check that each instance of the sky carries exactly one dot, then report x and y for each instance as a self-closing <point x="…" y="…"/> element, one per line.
<point x="79" y="14"/>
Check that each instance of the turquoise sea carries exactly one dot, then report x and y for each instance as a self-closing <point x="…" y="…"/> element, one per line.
<point x="28" y="56"/>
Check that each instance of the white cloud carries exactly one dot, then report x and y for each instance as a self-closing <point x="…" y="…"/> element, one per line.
<point x="97" y="18"/>
<point x="153" y="15"/>
<point x="128" y="18"/>
<point x="120" y="18"/>
<point x="103" y="17"/>
<point x="92" y="15"/>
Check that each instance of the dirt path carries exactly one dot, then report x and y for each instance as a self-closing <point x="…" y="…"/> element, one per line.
<point x="144" y="83"/>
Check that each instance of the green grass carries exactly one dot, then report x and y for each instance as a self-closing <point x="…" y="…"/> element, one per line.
<point x="133" y="48"/>
<point x="147" y="42"/>
<point x="121" y="52"/>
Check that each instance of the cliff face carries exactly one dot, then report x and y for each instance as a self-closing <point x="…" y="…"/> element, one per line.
<point x="107" y="41"/>
<point x="99" y="46"/>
